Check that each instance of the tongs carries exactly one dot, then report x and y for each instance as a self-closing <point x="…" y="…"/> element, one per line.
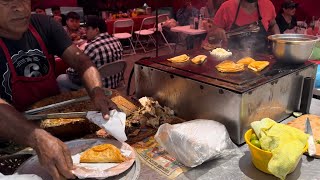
<point x="56" y="115"/>
<point x="244" y="30"/>
<point x="32" y="114"/>
<point x="252" y="28"/>
<point x="61" y="104"/>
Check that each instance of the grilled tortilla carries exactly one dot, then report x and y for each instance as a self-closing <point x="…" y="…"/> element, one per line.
<point x="245" y="61"/>
<point x="179" y="59"/>
<point x="229" y="66"/>
<point x="258" y="65"/>
<point x="103" y="153"/>
<point x="199" y="59"/>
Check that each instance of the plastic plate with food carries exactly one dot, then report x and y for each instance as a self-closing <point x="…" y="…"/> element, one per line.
<point x="96" y="168"/>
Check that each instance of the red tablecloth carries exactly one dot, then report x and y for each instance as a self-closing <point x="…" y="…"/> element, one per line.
<point x="137" y="23"/>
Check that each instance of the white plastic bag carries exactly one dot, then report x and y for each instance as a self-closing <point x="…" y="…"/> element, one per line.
<point x="20" y="177"/>
<point x="196" y="141"/>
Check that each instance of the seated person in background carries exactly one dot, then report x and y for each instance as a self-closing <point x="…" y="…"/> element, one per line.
<point x="58" y="16"/>
<point x="102" y="49"/>
<point x="186" y="12"/>
<point x="183" y="16"/>
<point x="234" y="14"/>
<point x="40" y="10"/>
<point x="285" y="18"/>
<point x="210" y="8"/>
<point x="73" y="28"/>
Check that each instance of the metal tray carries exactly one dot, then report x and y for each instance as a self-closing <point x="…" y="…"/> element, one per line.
<point x="63" y="103"/>
<point x="32" y="165"/>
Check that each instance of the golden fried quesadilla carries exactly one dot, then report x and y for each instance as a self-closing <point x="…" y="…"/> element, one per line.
<point x="103" y="153"/>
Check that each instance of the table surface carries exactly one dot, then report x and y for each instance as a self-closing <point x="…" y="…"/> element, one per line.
<point x="188" y="30"/>
<point x="240" y="166"/>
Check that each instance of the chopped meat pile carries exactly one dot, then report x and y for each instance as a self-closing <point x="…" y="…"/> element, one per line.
<point x="150" y="114"/>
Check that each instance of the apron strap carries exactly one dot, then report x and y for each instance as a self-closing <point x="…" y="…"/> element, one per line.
<point x="7" y="53"/>
<point x="8" y="57"/>
<point x="236" y="17"/>
<point x="237" y="13"/>
<point x="40" y="41"/>
<point x="258" y="8"/>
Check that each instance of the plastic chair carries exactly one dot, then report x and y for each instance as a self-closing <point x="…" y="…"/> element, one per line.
<point x="149" y="21"/>
<point x="126" y="23"/>
<point x="114" y="68"/>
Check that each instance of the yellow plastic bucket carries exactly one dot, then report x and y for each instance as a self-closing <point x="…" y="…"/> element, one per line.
<point x="260" y="158"/>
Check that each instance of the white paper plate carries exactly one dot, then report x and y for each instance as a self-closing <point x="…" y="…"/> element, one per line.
<point x="32" y="166"/>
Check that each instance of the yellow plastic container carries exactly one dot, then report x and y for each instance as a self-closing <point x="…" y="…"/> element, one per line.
<point x="260" y="158"/>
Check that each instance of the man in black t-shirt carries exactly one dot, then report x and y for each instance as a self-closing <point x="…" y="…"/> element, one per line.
<point x="285" y="18"/>
<point x="27" y="75"/>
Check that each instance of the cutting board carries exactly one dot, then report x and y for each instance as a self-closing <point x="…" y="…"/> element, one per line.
<point x="299" y="123"/>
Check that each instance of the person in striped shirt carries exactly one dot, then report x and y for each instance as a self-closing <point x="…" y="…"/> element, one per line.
<point x="102" y="48"/>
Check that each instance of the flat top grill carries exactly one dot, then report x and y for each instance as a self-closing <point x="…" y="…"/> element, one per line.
<point x="207" y="73"/>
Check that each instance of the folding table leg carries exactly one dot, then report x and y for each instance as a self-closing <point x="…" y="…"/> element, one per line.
<point x="134" y="51"/>
<point x="166" y="41"/>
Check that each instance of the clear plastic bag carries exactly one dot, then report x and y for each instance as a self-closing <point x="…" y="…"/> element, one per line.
<point x="196" y="141"/>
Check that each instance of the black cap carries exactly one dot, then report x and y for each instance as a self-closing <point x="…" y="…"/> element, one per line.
<point x="289" y="4"/>
<point x="96" y="22"/>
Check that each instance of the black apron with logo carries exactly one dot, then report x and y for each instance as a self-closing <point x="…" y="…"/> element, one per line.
<point x="254" y="41"/>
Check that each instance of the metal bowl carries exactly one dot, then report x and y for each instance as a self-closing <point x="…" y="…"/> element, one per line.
<point x="292" y="48"/>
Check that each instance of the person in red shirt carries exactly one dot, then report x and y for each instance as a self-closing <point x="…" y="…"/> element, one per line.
<point x="234" y="14"/>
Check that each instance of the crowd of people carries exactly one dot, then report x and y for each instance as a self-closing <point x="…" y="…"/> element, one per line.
<point x="225" y="16"/>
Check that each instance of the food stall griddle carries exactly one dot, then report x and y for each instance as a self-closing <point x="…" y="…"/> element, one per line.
<point x="239" y="82"/>
<point x="234" y="99"/>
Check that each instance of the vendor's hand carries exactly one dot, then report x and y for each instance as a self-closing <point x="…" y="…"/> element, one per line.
<point x="102" y="102"/>
<point x="217" y="37"/>
<point x="220" y="34"/>
<point x="53" y="155"/>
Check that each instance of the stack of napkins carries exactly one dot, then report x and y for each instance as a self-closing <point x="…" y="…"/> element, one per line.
<point x="115" y="126"/>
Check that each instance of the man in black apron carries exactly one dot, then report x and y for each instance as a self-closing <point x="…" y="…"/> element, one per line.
<point x="27" y="43"/>
<point x="254" y="34"/>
